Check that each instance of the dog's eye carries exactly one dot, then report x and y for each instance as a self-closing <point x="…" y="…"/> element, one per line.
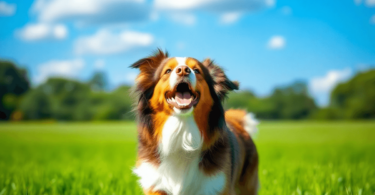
<point x="196" y="71"/>
<point x="168" y="71"/>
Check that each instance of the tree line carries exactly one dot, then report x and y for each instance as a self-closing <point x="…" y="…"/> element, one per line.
<point x="71" y="100"/>
<point x="60" y="98"/>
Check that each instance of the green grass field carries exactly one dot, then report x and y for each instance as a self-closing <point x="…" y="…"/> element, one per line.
<point x="97" y="158"/>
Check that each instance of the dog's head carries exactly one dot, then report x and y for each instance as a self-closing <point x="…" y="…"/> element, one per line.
<point x="180" y="86"/>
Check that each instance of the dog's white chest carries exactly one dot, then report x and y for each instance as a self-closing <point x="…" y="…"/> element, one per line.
<point x="179" y="173"/>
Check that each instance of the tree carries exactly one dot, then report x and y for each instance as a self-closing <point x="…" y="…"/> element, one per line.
<point x="290" y="102"/>
<point x="116" y="105"/>
<point x="57" y="98"/>
<point x="293" y="101"/>
<point x="64" y="99"/>
<point x="36" y="105"/>
<point x="13" y="83"/>
<point x="355" y="99"/>
<point x="98" y="82"/>
<point x="239" y="99"/>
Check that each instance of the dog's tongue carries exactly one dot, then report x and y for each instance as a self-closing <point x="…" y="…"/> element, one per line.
<point x="183" y="98"/>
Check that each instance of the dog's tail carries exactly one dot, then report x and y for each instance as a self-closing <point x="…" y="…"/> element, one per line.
<point x="247" y="121"/>
<point x="250" y="124"/>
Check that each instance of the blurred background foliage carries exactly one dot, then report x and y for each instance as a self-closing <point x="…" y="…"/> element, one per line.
<point x="60" y="98"/>
<point x="71" y="100"/>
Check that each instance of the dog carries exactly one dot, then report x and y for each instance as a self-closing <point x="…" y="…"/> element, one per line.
<point x="188" y="144"/>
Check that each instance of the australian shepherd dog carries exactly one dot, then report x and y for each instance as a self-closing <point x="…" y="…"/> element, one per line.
<point x="188" y="144"/>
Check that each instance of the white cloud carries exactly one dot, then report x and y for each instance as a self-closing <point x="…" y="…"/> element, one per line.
<point x="59" y="68"/>
<point x="370" y="3"/>
<point x="7" y="9"/>
<point x="330" y="80"/>
<point x="41" y="31"/>
<point x="270" y="3"/>
<point x="99" y="64"/>
<point x="228" y="9"/>
<point x="106" y="42"/>
<point x="276" y="42"/>
<point x="322" y="86"/>
<point x="221" y="6"/>
<point x="229" y="18"/>
<point x="91" y="11"/>
<point x="179" y="5"/>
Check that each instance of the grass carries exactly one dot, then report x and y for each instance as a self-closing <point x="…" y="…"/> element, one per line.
<point x="96" y="158"/>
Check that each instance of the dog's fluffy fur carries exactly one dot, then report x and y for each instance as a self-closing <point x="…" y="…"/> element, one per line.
<point x="188" y="144"/>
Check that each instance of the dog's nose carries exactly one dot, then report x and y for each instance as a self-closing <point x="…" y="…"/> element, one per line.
<point x="183" y="70"/>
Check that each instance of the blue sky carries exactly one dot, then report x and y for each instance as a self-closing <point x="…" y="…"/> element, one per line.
<point x="261" y="43"/>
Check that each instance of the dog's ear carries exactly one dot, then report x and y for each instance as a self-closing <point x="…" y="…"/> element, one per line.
<point x="148" y="67"/>
<point x="222" y="84"/>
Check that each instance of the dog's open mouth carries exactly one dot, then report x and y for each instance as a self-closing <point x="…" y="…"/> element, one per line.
<point x="183" y="96"/>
